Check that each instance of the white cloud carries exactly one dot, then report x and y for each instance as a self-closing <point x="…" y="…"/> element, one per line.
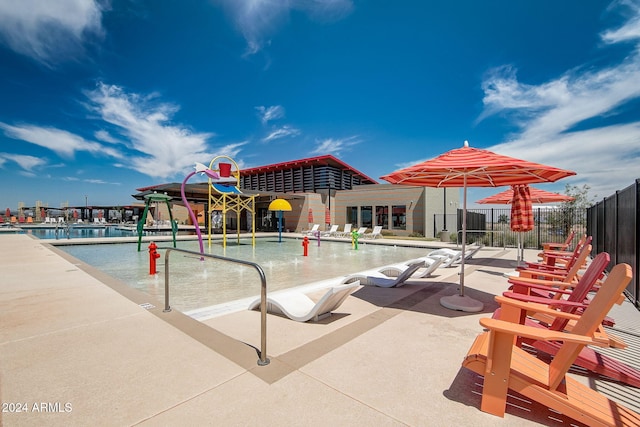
<point x="257" y="20"/>
<point x="160" y="149"/>
<point x="49" y="30"/>
<point x="335" y="146"/>
<point x="63" y="143"/>
<point x="573" y="121"/>
<point x="282" y="132"/>
<point x="28" y="163"/>
<point x="266" y="114"/>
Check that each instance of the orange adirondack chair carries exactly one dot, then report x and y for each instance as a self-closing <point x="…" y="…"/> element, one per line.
<point x="574" y="303"/>
<point x="552" y="246"/>
<point x="495" y="355"/>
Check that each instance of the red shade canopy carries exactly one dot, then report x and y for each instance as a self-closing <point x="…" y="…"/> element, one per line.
<point x="537" y="196"/>
<point x="310" y="216"/>
<point x="474" y="167"/>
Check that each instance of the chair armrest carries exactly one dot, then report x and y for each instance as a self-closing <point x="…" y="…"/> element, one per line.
<point x="534" y="333"/>
<point x="535" y="307"/>
<point x="530" y="281"/>
<point x="544" y="301"/>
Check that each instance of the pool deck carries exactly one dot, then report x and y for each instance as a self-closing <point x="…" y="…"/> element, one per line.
<point x="80" y="348"/>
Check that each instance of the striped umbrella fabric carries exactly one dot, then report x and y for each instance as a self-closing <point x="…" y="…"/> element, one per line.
<point x="473" y="167"/>
<point x="310" y="216"/>
<point x="537" y="196"/>
<point x="521" y="209"/>
<point x="327" y="216"/>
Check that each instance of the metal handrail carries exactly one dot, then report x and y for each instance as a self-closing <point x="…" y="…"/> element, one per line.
<point x="263" y="360"/>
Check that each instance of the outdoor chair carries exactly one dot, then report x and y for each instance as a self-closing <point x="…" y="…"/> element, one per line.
<point x="346" y="231"/>
<point x="379" y="279"/>
<point x="573" y="299"/>
<point x="496" y="356"/>
<point x="299" y="307"/>
<point x="377" y="232"/>
<point x="331" y="232"/>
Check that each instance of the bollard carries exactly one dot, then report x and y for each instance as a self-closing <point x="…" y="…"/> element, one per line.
<point x="305" y="245"/>
<point x="153" y="255"/>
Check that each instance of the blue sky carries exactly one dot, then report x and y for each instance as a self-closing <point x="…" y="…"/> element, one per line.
<point x="99" y="98"/>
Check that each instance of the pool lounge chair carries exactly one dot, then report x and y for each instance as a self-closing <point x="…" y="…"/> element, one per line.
<point x="299" y="307"/>
<point x="427" y="267"/>
<point x="382" y="280"/>
<point x="377" y="232"/>
<point x="312" y="230"/>
<point x="346" y="231"/>
<point x="451" y="256"/>
<point x="331" y="232"/>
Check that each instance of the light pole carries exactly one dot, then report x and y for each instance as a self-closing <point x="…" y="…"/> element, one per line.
<point x="86" y="206"/>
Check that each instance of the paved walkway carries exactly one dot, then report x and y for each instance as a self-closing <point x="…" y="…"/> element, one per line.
<point x="78" y="348"/>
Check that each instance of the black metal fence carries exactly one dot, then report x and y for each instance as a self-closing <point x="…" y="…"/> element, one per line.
<point x="492" y="226"/>
<point x="613" y="223"/>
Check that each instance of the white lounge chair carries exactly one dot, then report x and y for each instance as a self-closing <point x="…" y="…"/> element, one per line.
<point x="452" y="256"/>
<point x="361" y="231"/>
<point x="312" y="230"/>
<point x="428" y="266"/>
<point x="377" y="278"/>
<point x="377" y="232"/>
<point x="346" y="231"/>
<point x="299" y="307"/>
<point x="332" y="231"/>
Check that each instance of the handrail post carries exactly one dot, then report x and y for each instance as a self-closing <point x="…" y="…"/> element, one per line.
<point x="263" y="359"/>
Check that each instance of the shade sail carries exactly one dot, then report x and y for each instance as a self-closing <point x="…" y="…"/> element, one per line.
<point x="473" y="167"/>
<point x="537" y="196"/>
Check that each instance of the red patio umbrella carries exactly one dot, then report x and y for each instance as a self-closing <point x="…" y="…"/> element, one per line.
<point x="327" y="216"/>
<point x="537" y="196"/>
<point x="310" y="217"/>
<point x="7" y="213"/>
<point x="472" y="167"/>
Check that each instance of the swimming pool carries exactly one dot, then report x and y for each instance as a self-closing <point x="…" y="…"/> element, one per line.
<point x="89" y="232"/>
<point x="196" y="284"/>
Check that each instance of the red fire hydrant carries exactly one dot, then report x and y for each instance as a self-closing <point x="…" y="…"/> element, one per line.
<point x="305" y="245"/>
<point x="153" y="256"/>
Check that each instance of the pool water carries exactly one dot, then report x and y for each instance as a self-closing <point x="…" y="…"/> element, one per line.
<point x="197" y="284"/>
<point x="87" y="232"/>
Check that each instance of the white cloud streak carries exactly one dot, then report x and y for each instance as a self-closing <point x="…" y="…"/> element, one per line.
<point x="573" y="121"/>
<point x="266" y="114"/>
<point x="63" y="143"/>
<point x="335" y="146"/>
<point x="159" y="149"/>
<point x="28" y="163"/>
<point x="257" y="20"/>
<point x="49" y="31"/>
<point x="283" y="132"/>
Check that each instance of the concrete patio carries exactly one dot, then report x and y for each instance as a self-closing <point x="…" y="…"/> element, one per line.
<point x="80" y="348"/>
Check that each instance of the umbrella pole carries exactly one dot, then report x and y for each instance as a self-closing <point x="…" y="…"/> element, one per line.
<point x="461" y="302"/>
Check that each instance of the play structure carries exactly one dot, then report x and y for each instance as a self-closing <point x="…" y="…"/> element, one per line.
<point x="225" y="196"/>
<point x="148" y="199"/>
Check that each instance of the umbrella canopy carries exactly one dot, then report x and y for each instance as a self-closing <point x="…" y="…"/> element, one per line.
<point x="472" y="167"/>
<point x="327" y="216"/>
<point x="537" y="196"/>
<point x="310" y="216"/>
<point x="7" y="213"/>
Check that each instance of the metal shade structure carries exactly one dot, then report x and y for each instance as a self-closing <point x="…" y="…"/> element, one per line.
<point x="473" y="167"/>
